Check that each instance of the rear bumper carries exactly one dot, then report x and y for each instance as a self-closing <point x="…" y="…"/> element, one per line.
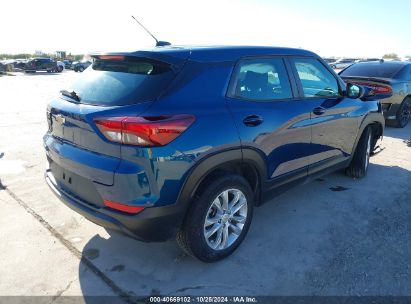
<point x="154" y="224"/>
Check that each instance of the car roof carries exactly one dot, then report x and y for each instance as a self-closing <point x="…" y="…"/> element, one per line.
<point x="391" y="63"/>
<point x="217" y="53"/>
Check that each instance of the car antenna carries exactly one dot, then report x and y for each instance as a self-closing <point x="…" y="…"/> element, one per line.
<point x="158" y="43"/>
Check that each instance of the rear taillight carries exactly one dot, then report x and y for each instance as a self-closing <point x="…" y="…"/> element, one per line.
<point x="111" y="57"/>
<point x="123" y="208"/>
<point x="146" y="131"/>
<point x="377" y="88"/>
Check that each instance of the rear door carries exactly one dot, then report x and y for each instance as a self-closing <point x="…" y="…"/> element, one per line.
<point x="262" y="100"/>
<point x="334" y="123"/>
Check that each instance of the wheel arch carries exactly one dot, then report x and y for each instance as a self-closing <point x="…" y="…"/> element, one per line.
<point x="245" y="162"/>
<point x="377" y="124"/>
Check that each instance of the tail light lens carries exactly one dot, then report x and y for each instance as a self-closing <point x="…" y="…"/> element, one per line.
<point x="377" y="88"/>
<point x="146" y="131"/>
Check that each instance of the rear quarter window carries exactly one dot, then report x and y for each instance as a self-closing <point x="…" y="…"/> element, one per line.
<point x="122" y="82"/>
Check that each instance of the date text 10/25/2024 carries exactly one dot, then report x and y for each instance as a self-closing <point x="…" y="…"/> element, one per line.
<point x="206" y="299"/>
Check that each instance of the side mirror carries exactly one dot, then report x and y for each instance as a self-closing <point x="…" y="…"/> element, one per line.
<point x="355" y="91"/>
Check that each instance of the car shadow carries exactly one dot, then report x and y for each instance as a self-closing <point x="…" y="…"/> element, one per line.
<point x="400" y="133"/>
<point x="318" y="239"/>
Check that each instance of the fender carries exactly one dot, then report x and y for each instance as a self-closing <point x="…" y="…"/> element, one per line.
<point x="200" y="170"/>
<point x="371" y="118"/>
<point x="205" y="166"/>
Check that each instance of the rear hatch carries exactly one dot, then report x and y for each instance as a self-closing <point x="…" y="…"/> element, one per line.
<point x="113" y="85"/>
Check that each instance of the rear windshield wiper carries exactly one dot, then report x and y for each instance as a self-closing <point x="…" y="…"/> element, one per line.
<point x="71" y="94"/>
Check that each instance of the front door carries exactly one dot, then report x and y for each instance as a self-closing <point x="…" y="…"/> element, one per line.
<point x="334" y="122"/>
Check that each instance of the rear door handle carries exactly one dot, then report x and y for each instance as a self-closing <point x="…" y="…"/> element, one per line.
<point x="253" y="120"/>
<point x="319" y="111"/>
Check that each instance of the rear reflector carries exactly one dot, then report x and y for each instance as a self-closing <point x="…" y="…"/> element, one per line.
<point x="147" y="131"/>
<point x="377" y="88"/>
<point x="123" y="208"/>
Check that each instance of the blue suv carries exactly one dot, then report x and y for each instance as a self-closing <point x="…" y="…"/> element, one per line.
<point x="185" y="141"/>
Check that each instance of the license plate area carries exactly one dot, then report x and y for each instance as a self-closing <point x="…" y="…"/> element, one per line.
<point x="76" y="185"/>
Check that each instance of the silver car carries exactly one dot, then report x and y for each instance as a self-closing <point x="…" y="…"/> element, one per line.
<point x="342" y="63"/>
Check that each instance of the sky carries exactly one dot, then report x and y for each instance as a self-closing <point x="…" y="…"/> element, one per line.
<point x="349" y="28"/>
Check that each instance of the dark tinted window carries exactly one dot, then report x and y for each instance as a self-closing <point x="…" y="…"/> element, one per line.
<point x="373" y="69"/>
<point x="261" y="79"/>
<point x="316" y="80"/>
<point x="122" y="82"/>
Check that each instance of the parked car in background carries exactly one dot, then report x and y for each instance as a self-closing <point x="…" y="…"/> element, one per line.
<point x="329" y="60"/>
<point x="81" y="66"/>
<point x="73" y="64"/>
<point x="186" y="141"/>
<point x="60" y="66"/>
<point x="14" y="64"/>
<point x="342" y="63"/>
<point x="367" y="59"/>
<point x="67" y="64"/>
<point x="20" y="63"/>
<point x="41" y="64"/>
<point x="386" y="77"/>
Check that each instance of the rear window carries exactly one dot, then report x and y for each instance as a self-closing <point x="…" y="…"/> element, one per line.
<point x="377" y="69"/>
<point x="122" y="82"/>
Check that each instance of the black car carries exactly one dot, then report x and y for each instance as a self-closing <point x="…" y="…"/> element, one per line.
<point x="41" y="64"/>
<point x="391" y="78"/>
<point x="81" y="66"/>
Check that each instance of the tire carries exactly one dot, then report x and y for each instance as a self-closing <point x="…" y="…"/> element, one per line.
<point x="360" y="161"/>
<point x="81" y="69"/>
<point x="60" y="69"/>
<point x="192" y="236"/>
<point x="403" y="114"/>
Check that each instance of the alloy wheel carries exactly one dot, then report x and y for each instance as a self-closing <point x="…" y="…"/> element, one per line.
<point x="225" y="219"/>
<point x="405" y="113"/>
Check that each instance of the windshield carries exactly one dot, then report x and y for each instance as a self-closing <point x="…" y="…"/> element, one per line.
<point x="122" y="82"/>
<point x="376" y="69"/>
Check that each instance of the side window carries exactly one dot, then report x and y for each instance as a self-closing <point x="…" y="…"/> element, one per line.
<point x="315" y="79"/>
<point x="261" y="79"/>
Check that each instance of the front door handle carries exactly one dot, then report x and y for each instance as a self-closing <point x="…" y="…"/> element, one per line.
<point x="319" y="111"/>
<point x="253" y="120"/>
